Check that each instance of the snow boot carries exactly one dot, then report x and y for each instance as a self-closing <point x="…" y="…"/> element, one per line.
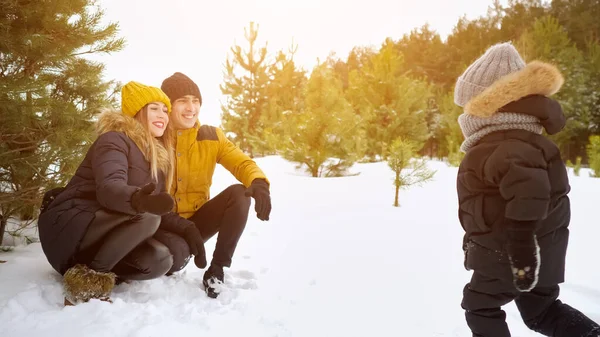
<point x="213" y="281"/>
<point x="82" y="284"/>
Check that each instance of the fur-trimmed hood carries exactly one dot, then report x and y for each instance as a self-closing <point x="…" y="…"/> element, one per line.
<point x="536" y="78"/>
<point x="118" y="122"/>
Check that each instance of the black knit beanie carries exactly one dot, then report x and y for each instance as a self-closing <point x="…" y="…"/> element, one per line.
<point x="179" y="85"/>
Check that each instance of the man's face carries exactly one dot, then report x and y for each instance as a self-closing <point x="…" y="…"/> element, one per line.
<point x="184" y="112"/>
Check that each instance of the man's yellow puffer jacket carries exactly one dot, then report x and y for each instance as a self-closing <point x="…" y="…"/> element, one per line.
<point x="197" y="152"/>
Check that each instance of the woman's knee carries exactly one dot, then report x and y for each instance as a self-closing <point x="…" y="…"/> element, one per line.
<point x="148" y="223"/>
<point x="150" y="260"/>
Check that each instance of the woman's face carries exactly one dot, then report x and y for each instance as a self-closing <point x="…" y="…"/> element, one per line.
<point x="158" y="118"/>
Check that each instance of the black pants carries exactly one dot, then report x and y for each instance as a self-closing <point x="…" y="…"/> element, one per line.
<point x="540" y="309"/>
<point x="177" y="246"/>
<point x="225" y="214"/>
<point x="122" y="243"/>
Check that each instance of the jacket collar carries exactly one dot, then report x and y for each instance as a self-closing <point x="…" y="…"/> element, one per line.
<point x="115" y="121"/>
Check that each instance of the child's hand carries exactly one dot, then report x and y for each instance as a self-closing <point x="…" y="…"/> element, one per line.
<point x="524" y="255"/>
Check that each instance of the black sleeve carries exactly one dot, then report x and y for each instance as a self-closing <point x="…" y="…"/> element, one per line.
<point x="521" y="173"/>
<point x="173" y="222"/>
<point x="110" y="166"/>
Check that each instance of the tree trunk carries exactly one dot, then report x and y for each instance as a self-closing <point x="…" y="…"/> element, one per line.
<point x="3" y="221"/>
<point x="397" y="184"/>
<point x="314" y="171"/>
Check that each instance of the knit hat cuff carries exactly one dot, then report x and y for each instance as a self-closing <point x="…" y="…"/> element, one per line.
<point x="465" y="91"/>
<point x="135" y="95"/>
<point x="179" y="85"/>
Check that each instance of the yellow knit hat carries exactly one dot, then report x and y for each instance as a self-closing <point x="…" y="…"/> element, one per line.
<point x="135" y="95"/>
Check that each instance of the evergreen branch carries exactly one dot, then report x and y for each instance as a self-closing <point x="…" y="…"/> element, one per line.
<point x="32" y="147"/>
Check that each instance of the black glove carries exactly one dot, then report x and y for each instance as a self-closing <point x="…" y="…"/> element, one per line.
<point x="144" y="201"/>
<point x="524" y="254"/>
<point x="193" y="238"/>
<point x="259" y="190"/>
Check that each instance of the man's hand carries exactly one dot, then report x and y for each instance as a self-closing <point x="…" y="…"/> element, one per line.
<point x="193" y="238"/>
<point x="259" y="190"/>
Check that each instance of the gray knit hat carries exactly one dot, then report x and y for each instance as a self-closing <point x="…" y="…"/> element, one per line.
<point x="498" y="61"/>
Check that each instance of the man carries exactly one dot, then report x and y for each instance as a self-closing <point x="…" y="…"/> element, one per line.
<point x="198" y="148"/>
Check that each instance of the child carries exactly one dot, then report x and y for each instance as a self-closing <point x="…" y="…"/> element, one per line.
<point x="512" y="190"/>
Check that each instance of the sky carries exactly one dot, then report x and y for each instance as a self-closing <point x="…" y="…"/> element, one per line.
<point x="194" y="37"/>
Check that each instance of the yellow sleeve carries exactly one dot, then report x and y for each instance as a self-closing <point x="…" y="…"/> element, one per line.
<point x="243" y="168"/>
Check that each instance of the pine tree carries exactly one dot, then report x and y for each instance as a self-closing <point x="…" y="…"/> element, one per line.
<point x="49" y="92"/>
<point x="592" y="61"/>
<point x="285" y="98"/>
<point x="391" y="103"/>
<point x="468" y="41"/>
<point x="517" y="17"/>
<point x="548" y="41"/>
<point x="449" y="131"/>
<point x="359" y="57"/>
<point x="593" y="152"/>
<point x="246" y="81"/>
<point x="325" y="137"/>
<point x="425" y="55"/>
<point x="576" y="167"/>
<point x="408" y="170"/>
<point x="580" y="19"/>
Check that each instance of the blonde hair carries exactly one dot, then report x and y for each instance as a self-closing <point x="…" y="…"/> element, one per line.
<point x="167" y="141"/>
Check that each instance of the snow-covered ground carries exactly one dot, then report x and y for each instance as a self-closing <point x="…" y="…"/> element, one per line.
<point x="336" y="259"/>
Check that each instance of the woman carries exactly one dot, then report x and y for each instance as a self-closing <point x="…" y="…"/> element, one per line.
<point x="99" y="227"/>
